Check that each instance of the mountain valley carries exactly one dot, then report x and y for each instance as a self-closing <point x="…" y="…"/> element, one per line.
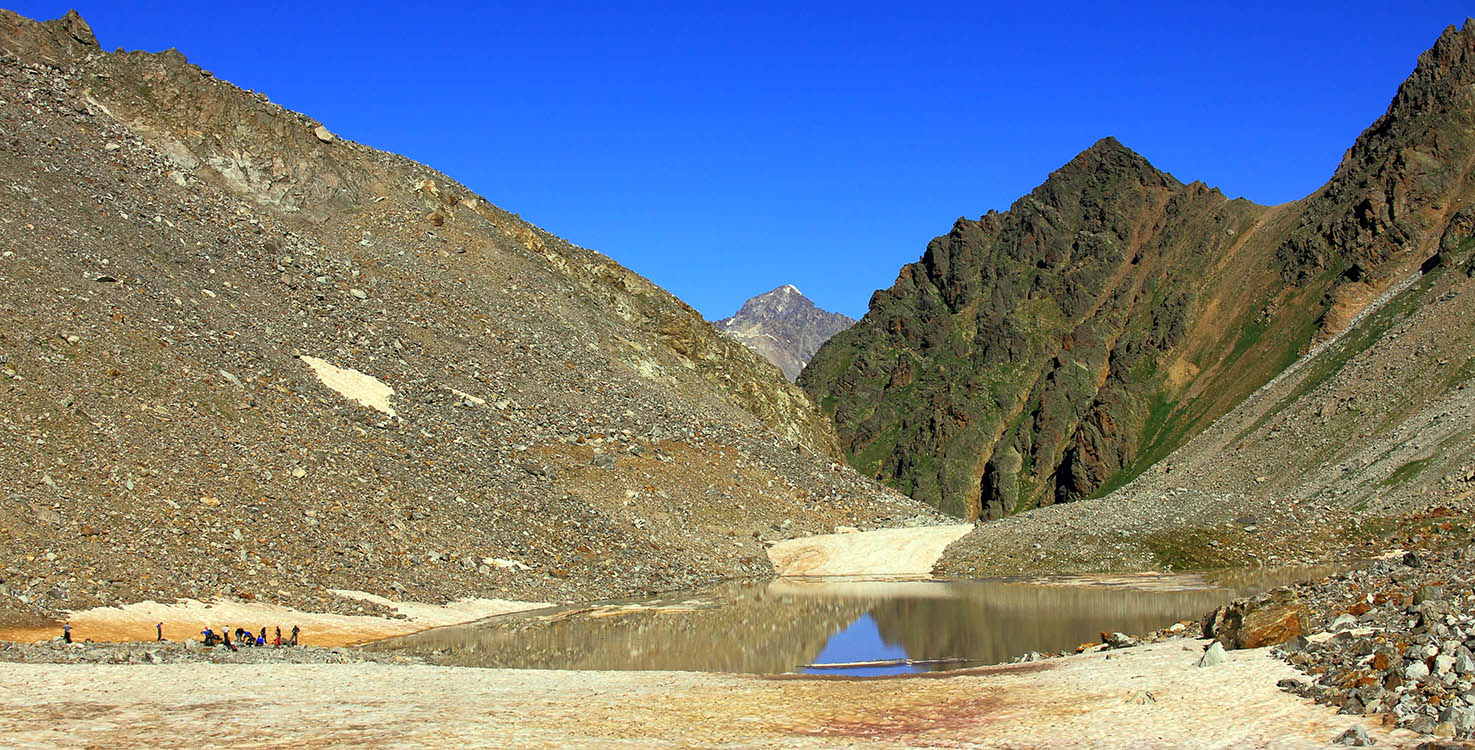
<point x="253" y="372"/>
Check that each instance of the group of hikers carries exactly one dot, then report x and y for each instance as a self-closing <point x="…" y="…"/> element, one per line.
<point x="244" y="637"/>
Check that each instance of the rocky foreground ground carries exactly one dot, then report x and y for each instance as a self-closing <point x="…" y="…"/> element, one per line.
<point x="1401" y="633"/>
<point x="1393" y="641"/>
<point x="1148" y="697"/>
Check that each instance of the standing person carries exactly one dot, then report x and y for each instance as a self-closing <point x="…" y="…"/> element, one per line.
<point x="228" y="644"/>
<point x="66" y="632"/>
<point x="261" y="639"/>
<point x="278" y="640"/>
<point x="295" y="631"/>
<point x="159" y="632"/>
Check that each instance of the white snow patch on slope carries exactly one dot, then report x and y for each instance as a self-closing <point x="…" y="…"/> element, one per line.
<point x="353" y="385"/>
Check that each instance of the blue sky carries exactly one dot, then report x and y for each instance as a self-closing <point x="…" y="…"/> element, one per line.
<point x="725" y="149"/>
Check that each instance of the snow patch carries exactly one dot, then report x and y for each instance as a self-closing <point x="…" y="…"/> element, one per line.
<point x="353" y="385"/>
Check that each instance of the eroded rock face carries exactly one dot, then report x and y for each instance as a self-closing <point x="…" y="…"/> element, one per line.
<point x="785" y="327"/>
<point x="1114" y="312"/>
<point x="1392" y="184"/>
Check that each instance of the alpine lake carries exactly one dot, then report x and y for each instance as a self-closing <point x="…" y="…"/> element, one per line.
<point x="841" y="627"/>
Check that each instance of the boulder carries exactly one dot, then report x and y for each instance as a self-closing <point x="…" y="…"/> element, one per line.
<point x="1464" y="665"/>
<point x="1266" y="620"/>
<point x="1214" y="656"/>
<point x="1354" y="737"/>
<point x="1429" y="593"/>
<point x="1463" y="719"/>
<point x="1415" y="671"/>
<point x="1443" y="664"/>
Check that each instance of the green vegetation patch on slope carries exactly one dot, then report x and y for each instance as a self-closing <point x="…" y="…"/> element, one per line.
<point x="1330" y="360"/>
<point x="1188" y="549"/>
<point x="1406" y="472"/>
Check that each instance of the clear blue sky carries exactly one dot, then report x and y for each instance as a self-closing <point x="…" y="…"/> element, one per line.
<point x="726" y="149"/>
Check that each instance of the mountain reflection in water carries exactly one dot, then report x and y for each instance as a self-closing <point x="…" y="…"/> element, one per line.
<point x="779" y="626"/>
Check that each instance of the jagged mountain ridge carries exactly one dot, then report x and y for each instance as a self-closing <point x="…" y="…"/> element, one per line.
<point x="179" y="254"/>
<point x="1056" y="350"/>
<point x="784" y="326"/>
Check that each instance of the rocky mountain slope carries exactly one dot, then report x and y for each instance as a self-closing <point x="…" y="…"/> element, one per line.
<point x="785" y="327"/>
<point x="1364" y="444"/>
<point x="1055" y="351"/>
<point x="241" y="356"/>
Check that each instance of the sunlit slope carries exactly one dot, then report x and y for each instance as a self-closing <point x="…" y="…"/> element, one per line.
<point x="241" y="356"/>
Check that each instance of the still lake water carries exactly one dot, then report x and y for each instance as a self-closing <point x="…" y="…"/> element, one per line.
<point x="788" y="625"/>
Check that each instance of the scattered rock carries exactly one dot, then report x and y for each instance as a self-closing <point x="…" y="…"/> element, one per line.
<point x="1406" y="667"/>
<point x="540" y="470"/>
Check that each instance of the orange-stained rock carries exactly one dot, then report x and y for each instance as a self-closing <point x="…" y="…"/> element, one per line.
<point x="1254" y="623"/>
